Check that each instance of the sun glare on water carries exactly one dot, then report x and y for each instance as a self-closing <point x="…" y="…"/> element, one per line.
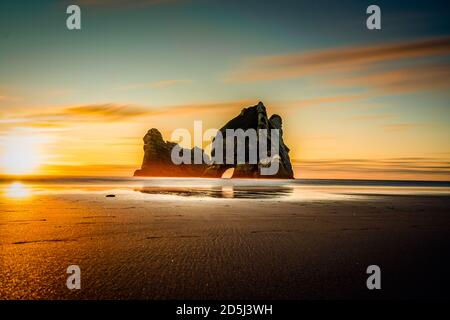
<point x="21" y="155"/>
<point x="17" y="190"/>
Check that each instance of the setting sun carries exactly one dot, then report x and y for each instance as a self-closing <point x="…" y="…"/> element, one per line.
<point x="21" y="155"/>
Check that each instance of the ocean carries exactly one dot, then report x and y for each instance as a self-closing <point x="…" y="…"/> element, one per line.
<point x="298" y="189"/>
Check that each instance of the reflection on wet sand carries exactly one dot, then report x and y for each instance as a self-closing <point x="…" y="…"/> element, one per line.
<point x="222" y="192"/>
<point x="166" y="239"/>
<point x="17" y="190"/>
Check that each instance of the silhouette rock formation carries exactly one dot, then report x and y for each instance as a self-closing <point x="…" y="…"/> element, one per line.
<point x="254" y="118"/>
<point x="157" y="158"/>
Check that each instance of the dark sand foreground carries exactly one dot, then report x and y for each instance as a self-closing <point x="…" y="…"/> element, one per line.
<point x="144" y="246"/>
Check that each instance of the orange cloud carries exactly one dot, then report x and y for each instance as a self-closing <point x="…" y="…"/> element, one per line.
<point x="63" y="116"/>
<point x="402" y="80"/>
<point x="397" y="168"/>
<point x="110" y="111"/>
<point x="347" y="59"/>
<point x="48" y="119"/>
<point x="60" y="117"/>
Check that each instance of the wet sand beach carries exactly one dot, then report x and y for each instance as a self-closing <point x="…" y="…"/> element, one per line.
<point x="226" y="242"/>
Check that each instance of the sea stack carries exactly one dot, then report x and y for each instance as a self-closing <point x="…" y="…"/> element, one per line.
<point x="157" y="152"/>
<point x="254" y="117"/>
<point x="157" y="159"/>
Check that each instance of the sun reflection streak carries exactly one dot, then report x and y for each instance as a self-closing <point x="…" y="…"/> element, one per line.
<point x="17" y="190"/>
<point x="227" y="191"/>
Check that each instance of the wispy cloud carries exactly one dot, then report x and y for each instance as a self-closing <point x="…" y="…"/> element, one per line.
<point x="61" y="117"/>
<point x="347" y="60"/>
<point x="66" y="116"/>
<point x="401" y="80"/>
<point x="106" y="111"/>
<point x="112" y="111"/>
<point x="397" y="168"/>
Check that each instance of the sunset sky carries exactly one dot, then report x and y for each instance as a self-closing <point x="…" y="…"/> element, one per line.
<point x="356" y="103"/>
